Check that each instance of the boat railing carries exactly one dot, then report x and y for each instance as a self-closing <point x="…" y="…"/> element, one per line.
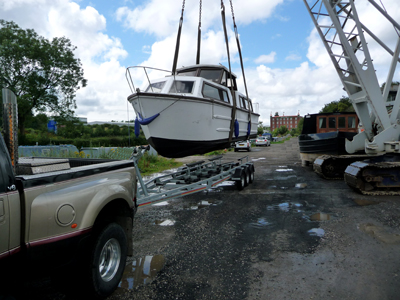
<point x="128" y="75"/>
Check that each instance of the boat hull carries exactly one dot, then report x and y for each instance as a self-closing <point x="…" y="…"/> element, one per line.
<point x="189" y="125"/>
<point x="332" y="143"/>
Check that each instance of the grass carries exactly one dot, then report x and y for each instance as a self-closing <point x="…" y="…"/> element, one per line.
<point x="150" y="164"/>
<point x="281" y="142"/>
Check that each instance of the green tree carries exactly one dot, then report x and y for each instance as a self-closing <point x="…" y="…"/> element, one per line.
<point x="43" y="74"/>
<point x="300" y="125"/>
<point x="260" y="129"/>
<point x="283" y="130"/>
<point x="342" y="105"/>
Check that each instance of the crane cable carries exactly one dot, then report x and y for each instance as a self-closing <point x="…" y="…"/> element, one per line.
<point x="241" y="59"/>
<point x="199" y="36"/>
<point x="178" y="39"/>
<point x="233" y="115"/>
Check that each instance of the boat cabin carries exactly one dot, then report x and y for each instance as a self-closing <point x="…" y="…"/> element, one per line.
<point x="218" y="74"/>
<point x="202" y="81"/>
<point x="328" y="122"/>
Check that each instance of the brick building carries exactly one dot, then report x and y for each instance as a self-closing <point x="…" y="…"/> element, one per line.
<point x="289" y="121"/>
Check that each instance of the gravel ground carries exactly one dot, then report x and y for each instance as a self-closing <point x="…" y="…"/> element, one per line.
<point x="289" y="235"/>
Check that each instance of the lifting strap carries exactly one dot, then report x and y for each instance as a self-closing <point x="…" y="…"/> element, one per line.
<point x="198" y="37"/>
<point x="178" y="39"/>
<point x="230" y="73"/>
<point x="241" y="60"/>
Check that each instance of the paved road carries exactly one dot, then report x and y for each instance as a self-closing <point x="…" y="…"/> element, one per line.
<point x="289" y="235"/>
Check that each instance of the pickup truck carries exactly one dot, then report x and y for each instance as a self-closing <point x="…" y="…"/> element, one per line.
<point x="70" y="217"/>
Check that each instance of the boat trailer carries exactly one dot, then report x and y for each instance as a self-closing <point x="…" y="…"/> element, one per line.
<point x="192" y="178"/>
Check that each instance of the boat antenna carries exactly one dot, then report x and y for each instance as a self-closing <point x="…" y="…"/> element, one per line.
<point x="178" y="39"/>
<point x="199" y="37"/>
<point x="230" y="71"/>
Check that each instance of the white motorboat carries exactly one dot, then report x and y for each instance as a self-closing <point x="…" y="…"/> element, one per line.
<point x="193" y="111"/>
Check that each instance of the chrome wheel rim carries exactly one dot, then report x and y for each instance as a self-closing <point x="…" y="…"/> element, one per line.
<point x="110" y="258"/>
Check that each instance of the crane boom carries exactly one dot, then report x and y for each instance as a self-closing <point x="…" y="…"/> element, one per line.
<point x="338" y="25"/>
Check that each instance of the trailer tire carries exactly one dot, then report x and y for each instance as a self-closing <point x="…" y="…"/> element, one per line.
<point x="107" y="261"/>
<point x="242" y="182"/>
<point x="251" y="169"/>
<point x="248" y="174"/>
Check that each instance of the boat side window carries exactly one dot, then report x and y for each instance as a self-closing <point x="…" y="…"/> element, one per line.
<point x="341" y="122"/>
<point x="215" y="93"/>
<point x="182" y="87"/>
<point x="225" y="96"/>
<point x="332" y="122"/>
<point x="322" y="122"/>
<point x="351" y="122"/>
<point x="155" y="87"/>
<point x="244" y="103"/>
<point x="213" y="75"/>
<point x="223" y="80"/>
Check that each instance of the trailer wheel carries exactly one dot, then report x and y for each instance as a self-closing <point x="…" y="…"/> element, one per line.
<point x="107" y="261"/>
<point x="248" y="174"/>
<point x="242" y="182"/>
<point x="251" y="169"/>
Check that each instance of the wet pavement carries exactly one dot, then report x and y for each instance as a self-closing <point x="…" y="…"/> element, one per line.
<point x="289" y="235"/>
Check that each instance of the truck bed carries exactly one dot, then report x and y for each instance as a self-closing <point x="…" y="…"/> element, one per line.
<point x="77" y="168"/>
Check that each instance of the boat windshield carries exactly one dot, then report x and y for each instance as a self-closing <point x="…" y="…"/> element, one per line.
<point x="182" y="87"/>
<point x="188" y="73"/>
<point x="155" y="87"/>
<point x="213" y="75"/>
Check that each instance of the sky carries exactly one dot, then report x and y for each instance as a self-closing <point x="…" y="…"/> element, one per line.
<point x="286" y="66"/>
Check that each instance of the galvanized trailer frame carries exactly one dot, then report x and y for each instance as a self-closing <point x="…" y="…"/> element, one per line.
<point x="192" y="178"/>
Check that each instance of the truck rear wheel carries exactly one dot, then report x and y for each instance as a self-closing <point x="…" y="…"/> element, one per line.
<point x="107" y="261"/>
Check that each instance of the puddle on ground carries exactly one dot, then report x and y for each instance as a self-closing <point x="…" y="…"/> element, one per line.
<point x="320" y="217"/>
<point x="363" y="202"/>
<point x="201" y="204"/>
<point x="226" y="183"/>
<point x="300" y="185"/>
<point x="380" y="233"/>
<point x="155" y="175"/>
<point x="142" y="271"/>
<point x="319" y="232"/>
<point x="282" y="177"/>
<point x="284" y="170"/>
<point x="261" y="223"/>
<point x="164" y="222"/>
<point x="163" y="203"/>
<point x="256" y="159"/>
<point x="286" y="207"/>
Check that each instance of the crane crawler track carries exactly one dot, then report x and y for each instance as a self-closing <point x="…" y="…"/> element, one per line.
<point x="374" y="178"/>
<point x="332" y="167"/>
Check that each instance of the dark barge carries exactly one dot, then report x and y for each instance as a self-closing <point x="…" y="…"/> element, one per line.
<point x="326" y="133"/>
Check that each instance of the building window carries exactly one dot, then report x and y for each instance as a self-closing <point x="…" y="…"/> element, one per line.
<point x="342" y="122"/>
<point x="322" y="122"/>
<point x="351" y="122"/>
<point x="332" y="122"/>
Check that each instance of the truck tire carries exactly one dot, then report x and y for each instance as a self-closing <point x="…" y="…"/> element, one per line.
<point x="107" y="261"/>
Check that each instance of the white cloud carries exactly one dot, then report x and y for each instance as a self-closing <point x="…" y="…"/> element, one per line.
<point x="266" y="59"/>
<point x="306" y="87"/>
<point x="293" y="57"/>
<point x="105" y="95"/>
